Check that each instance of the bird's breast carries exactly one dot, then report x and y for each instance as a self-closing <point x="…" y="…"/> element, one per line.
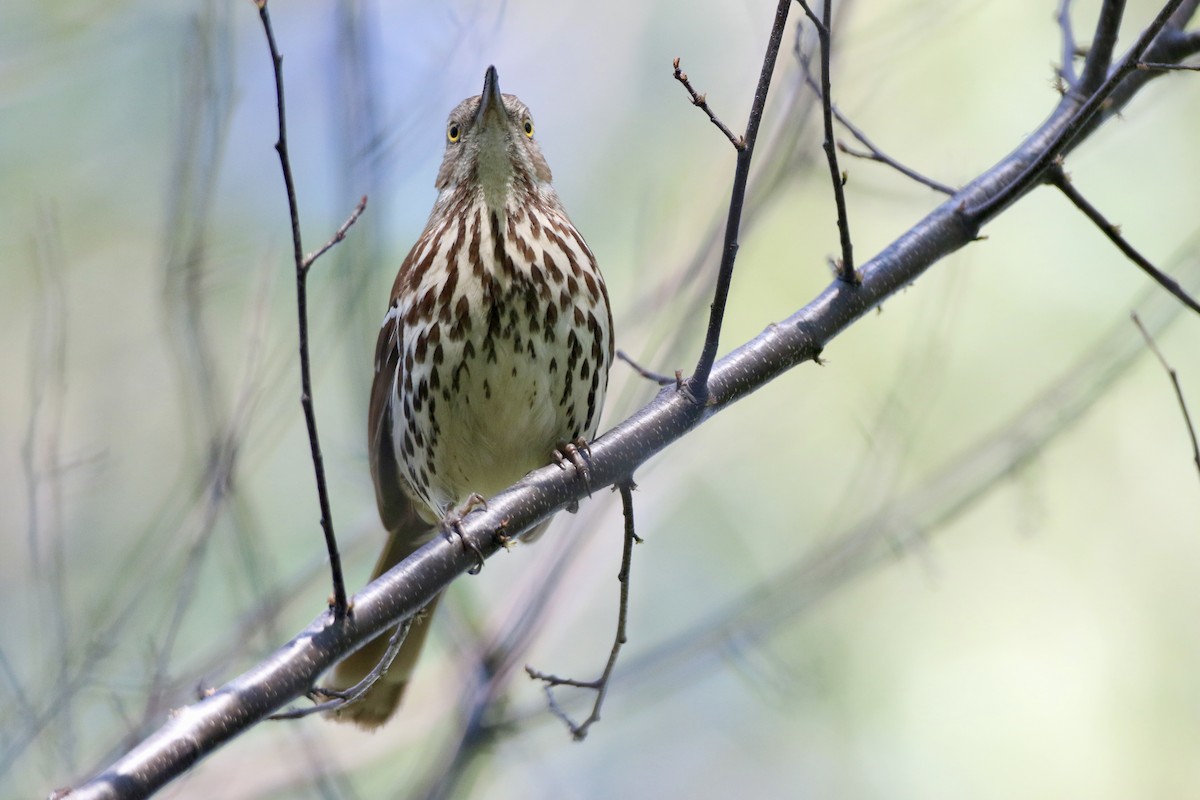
<point x="507" y="342"/>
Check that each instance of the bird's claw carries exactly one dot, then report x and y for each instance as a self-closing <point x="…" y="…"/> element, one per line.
<point x="576" y="453"/>
<point x="451" y="526"/>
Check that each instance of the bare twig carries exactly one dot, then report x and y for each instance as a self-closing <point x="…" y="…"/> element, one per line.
<point x="1187" y="418"/>
<point x="600" y="685"/>
<point x="483" y="688"/>
<point x="216" y="437"/>
<point x="657" y="377"/>
<point x="43" y="464"/>
<point x="1062" y="182"/>
<point x="1173" y="45"/>
<point x="338" y="235"/>
<point x="338" y="698"/>
<point x="696" y="387"/>
<point x="873" y="152"/>
<point x="1149" y="66"/>
<point x="701" y="102"/>
<point x="1069" y="48"/>
<point x="1078" y="121"/>
<point x="340" y="606"/>
<point x="845" y="267"/>
<point x="1099" y="57"/>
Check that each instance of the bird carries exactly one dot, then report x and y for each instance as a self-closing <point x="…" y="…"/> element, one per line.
<point x="492" y="359"/>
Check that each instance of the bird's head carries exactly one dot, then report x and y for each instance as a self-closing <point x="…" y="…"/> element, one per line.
<point x="490" y="145"/>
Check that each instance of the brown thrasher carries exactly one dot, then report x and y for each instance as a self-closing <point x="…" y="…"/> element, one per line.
<point x="494" y="352"/>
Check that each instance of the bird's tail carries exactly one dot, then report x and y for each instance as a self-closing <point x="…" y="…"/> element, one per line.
<point x="381" y="700"/>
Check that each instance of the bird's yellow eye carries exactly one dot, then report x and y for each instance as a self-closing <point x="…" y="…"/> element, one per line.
<point x="529" y="128"/>
<point x="453" y="132"/>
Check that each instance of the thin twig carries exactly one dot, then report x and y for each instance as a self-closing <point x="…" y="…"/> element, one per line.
<point x="1187" y="418"/>
<point x="1036" y="171"/>
<point x="1173" y="45"/>
<point x="697" y="386"/>
<point x="657" y="377"/>
<point x="1069" y="48"/>
<point x="873" y="152"/>
<point x="845" y="267"/>
<point x="44" y="466"/>
<point x="701" y="102"/>
<point x="1150" y="66"/>
<point x="338" y="235"/>
<point x="600" y="685"/>
<point x="340" y="606"/>
<point x="1058" y="178"/>
<point x="1099" y="57"/>
<point x="339" y="698"/>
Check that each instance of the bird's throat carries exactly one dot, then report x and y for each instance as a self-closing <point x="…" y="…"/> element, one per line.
<point x="495" y="169"/>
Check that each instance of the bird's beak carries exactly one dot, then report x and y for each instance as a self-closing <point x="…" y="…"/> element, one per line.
<point x="491" y="104"/>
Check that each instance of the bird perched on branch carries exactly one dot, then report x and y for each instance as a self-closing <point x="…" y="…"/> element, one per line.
<point x="493" y="357"/>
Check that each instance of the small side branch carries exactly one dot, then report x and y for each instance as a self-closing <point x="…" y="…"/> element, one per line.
<point x="845" y="267"/>
<point x="650" y="375"/>
<point x="700" y="101"/>
<point x="338" y="235"/>
<point x="1069" y="48"/>
<point x="873" y="151"/>
<point x="696" y="387"/>
<point x="1187" y="418"/>
<point x="1150" y="66"/>
<point x="600" y="685"/>
<point x="333" y="699"/>
<point x="1059" y="179"/>
<point x="339" y="604"/>
<point x="1099" y="57"/>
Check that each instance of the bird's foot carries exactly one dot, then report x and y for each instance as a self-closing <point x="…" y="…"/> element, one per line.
<point x="576" y="454"/>
<point x="451" y="526"/>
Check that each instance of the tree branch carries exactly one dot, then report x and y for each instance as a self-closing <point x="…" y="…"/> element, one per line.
<point x="600" y="685"/>
<point x="1099" y="57"/>
<point x="1062" y="182"/>
<point x="1069" y="48"/>
<point x="650" y="375"/>
<point x="701" y="102"/>
<point x="874" y="153"/>
<point x="302" y="265"/>
<point x="338" y="235"/>
<point x="333" y="699"/>
<point x="845" y="266"/>
<point x="1155" y="67"/>
<point x="1078" y="121"/>
<point x="697" y="386"/>
<point x="1187" y="417"/>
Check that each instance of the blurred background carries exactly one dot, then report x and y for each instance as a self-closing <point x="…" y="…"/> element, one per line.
<point x="958" y="560"/>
